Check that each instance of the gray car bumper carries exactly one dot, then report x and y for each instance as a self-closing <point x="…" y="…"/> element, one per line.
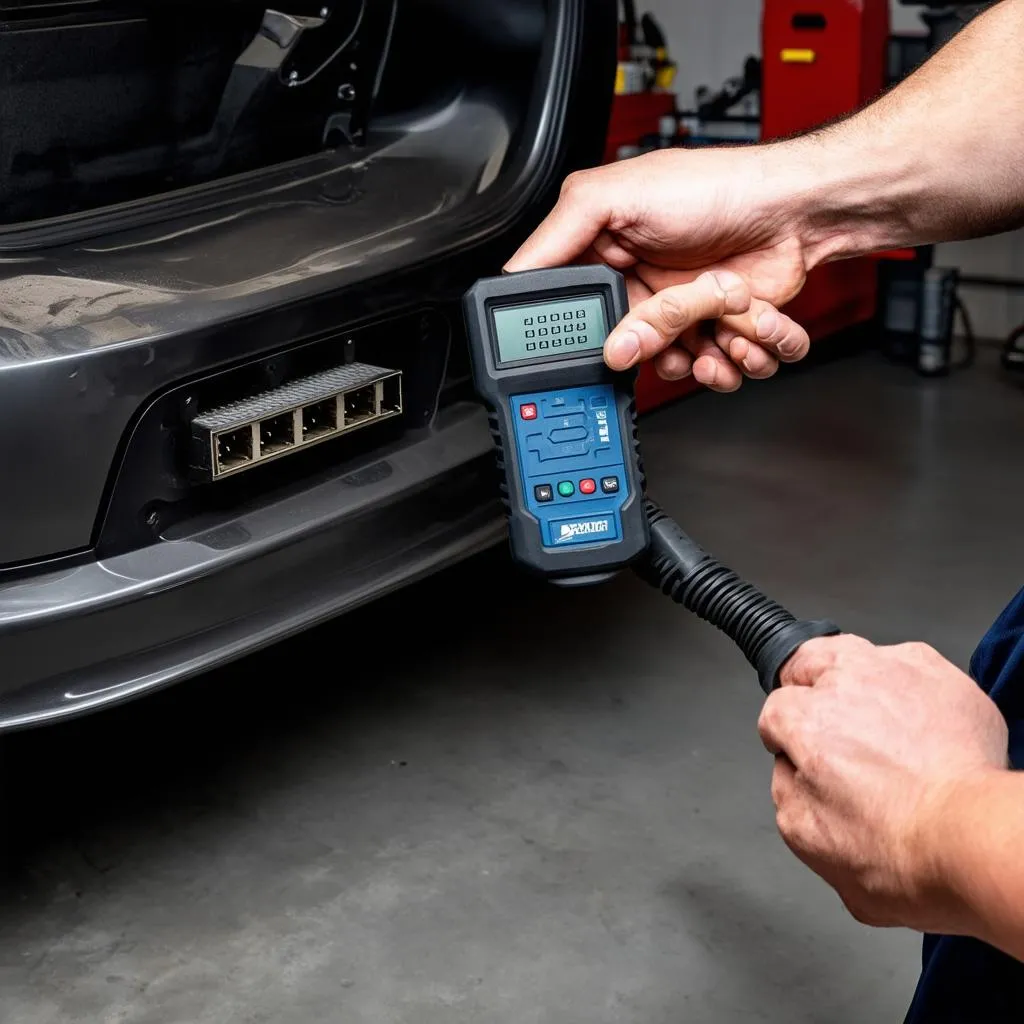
<point x="84" y="638"/>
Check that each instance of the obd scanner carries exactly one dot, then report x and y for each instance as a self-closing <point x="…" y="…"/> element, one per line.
<point x="564" y="423"/>
<point x="572" y="481"/>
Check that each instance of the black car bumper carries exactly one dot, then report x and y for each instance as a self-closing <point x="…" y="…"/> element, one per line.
<point x="79" y="639"/>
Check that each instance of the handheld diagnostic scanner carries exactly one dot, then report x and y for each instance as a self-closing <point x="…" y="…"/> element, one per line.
<point x="563" y="422"/>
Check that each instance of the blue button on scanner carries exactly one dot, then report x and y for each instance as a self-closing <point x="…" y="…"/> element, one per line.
<point x="563" y="436"/>
<point x="561" y="407"/>
<point x="546" y="453"/>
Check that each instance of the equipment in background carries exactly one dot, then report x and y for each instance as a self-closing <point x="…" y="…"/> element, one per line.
<point x="564" y="414"/>
<point x="899" y="307"/>
<point x="938" y="311"/>
<point x="564" y="423"/>
<point x="918" y="312"/>
<point x="745" y="90"/>
<point x="730" y="115"/>
<point x="643" y="101"/>
<point x="644" y="64"/>
<point x="941" y="21"/>
<point x="821" y="59"/>
<point x="945" y="18"/>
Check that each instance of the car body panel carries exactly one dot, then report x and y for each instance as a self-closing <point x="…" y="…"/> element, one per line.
<point x="80" y="638"/>
<point x="101" y="318"/>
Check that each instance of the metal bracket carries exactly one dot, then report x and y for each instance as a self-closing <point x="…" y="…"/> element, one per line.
<point x="276" y="39"/>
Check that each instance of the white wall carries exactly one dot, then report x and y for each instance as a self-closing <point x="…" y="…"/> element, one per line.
<point x="709" y="42"/>
<point x="905" y="19"/>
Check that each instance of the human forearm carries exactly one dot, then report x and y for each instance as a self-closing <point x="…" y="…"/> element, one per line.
<point x="941" y="157"/>
<point x="938" y="158"/>
<point x="976" y="836"/>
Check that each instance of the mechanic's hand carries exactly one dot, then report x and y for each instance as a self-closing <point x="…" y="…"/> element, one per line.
<point x="665" y="220"/>
<point x="870" y="743"/>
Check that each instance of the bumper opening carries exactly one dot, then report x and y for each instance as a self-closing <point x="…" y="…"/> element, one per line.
<point x="268" y="428"/>
<point x="249" y="433"/>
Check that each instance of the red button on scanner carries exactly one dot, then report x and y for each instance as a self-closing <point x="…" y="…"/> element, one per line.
<point x="528" y="412"/>
<point x="587" y="487"/>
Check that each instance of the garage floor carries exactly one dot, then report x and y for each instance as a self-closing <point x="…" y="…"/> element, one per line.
<point x="489" y="801"/>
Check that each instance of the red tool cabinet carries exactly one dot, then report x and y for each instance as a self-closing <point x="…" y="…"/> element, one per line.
<point x="823" y="59"/>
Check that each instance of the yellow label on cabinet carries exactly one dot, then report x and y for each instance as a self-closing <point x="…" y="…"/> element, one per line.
<point x="799" y="56"/>
<point x="666" y="77"/>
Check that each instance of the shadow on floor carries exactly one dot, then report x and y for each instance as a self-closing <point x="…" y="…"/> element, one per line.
<point x="166" y="756"/>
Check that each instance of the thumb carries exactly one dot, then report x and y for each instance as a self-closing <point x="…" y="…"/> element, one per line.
<point x="655" y="323"/>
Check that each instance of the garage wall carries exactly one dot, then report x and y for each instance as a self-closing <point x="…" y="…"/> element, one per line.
<point x="710" y="43"/>
<point x="904" y="19"/>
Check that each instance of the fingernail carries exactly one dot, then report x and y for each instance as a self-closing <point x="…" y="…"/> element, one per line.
<point x="767" y="324"/>
<point x="789" y="347"/>
<point x="626" y="348"/>
<point x="747" y="366"/>
<point x="711" y="375"/>
<point x="728" y="281"/>
<point x="673" y="372"/>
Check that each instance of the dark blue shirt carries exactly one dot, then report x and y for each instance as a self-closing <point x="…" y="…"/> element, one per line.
<point x="964" y="981"/>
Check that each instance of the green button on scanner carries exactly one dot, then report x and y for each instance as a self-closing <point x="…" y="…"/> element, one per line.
<point x="566" y="489"/>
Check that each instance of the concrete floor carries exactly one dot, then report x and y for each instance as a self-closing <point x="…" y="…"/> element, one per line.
<point x="528" y="805"/>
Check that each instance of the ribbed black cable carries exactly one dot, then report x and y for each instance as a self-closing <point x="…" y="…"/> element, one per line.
<point x="764" y="631"/>
<point x="712" y="591"/>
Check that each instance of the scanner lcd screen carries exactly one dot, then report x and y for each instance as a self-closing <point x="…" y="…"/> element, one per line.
<point x="544" y="330"/>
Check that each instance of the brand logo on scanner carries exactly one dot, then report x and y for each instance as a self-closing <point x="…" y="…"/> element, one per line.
<point x="588" y="528"/>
